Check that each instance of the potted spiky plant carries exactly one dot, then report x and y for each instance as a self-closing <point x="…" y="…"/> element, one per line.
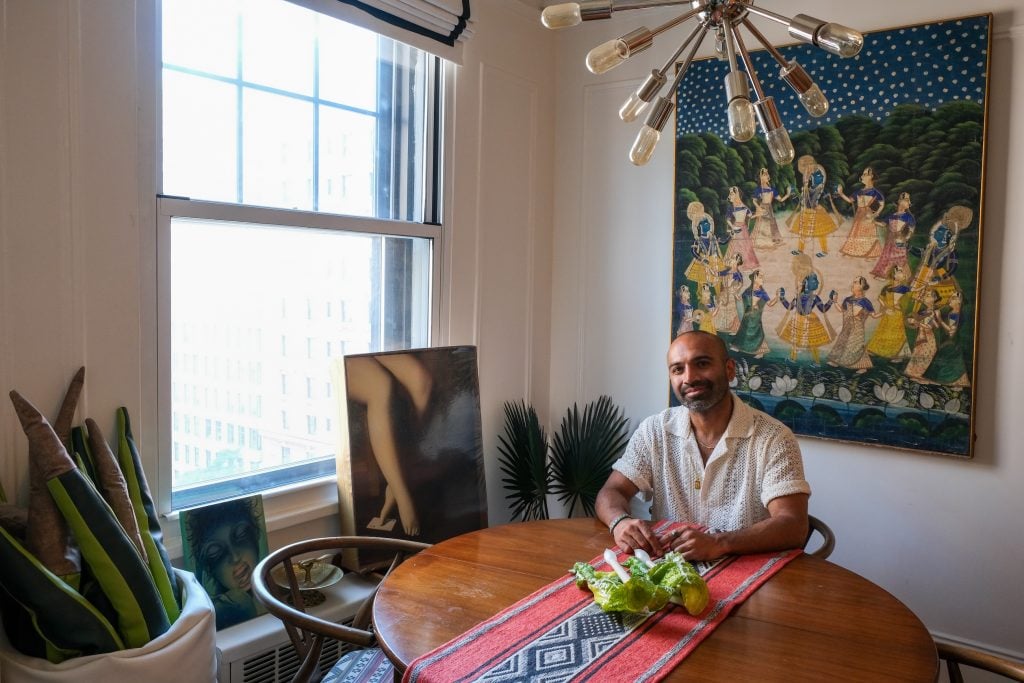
<point x="583" y="451"/>
<point x="524" y="463"/>
<point x="582" y="454"/>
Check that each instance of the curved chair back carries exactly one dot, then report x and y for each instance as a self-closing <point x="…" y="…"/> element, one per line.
<point x="307" y="631"/>
<point x="955" y="655"/>
<point x="828" y="539"/>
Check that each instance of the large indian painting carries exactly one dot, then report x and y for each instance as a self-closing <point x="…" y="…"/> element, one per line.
<point x="845" y="283"/>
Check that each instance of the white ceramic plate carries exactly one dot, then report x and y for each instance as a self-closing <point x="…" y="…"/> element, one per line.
<point x="321" y="577"/>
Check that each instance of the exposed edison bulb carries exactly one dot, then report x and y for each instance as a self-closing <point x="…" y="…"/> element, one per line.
<point x="642" y="96"/>
<point x="742" y="124"/>
<point x="561" y="16"/>
<point x="814" y="100"/>
<point x="780" y="146"/>
<point x="839" y="40"/>
<point x="632" y="108"/>
<point x="643" y="146"/>
<point x="607" y="56"/>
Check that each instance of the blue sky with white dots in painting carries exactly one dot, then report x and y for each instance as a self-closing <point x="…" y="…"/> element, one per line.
<point x="927" y="65"/>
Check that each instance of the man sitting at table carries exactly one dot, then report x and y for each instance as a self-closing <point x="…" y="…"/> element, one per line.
<point x="713" y="461"/>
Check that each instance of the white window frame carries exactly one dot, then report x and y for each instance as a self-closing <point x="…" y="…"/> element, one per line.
<point x="313" y="503"/>
<point x="172" y="207"/>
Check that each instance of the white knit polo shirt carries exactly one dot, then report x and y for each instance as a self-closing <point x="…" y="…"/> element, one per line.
<point x="756" y="460"/>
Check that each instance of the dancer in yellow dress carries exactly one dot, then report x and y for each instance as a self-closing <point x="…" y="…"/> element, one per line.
<point x="707" y="263"/>
<point x="801" y="326"/>
<point x="889" y="339"/>
<point x="811" y="219"/>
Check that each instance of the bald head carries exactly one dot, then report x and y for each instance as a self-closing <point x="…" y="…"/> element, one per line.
<point x="711" y="341"/>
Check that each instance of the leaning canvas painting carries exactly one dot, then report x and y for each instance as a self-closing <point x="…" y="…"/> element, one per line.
<point x="846" y="282"/>
<point x="410" y="461"/>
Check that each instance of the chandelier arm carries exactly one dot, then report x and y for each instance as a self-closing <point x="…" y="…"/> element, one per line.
<point x="771" y="49"/>
<point x="675" y="22"/>
<point x="689" y="58"/>
<point x="730" y="45"/>
<point x="645" y="4"/>
<point x="766" y="13"/>
<point x="700" y="29"/>
<point x="748" y="63"/>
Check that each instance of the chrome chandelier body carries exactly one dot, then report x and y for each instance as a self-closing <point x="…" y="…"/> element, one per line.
<point x="722" y="19"/>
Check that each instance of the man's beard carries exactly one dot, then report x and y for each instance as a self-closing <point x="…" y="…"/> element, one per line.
<point x="716" y="392"/>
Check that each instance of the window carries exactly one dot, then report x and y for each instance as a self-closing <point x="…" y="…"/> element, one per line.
<point x="299" y="174"/>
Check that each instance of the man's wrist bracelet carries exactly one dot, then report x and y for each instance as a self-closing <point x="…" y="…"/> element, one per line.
<point x="615" y="522"/>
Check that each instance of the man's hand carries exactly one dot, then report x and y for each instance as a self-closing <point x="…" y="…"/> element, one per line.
<point x="631" y="534"/>
<point x="693" y="544"/>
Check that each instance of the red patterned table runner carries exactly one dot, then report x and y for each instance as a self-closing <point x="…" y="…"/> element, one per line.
<point x="559" y="634"/>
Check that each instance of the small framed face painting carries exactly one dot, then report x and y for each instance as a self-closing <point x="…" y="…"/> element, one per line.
<point x="222" y="543"/>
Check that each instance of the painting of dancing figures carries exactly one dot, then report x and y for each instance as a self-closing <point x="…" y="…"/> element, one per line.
<point x="845" y="281"/>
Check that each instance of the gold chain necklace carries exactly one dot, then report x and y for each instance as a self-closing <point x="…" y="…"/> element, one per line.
<point x="701" y="443"/>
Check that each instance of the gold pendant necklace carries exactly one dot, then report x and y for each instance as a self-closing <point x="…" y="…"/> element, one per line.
<point x="701" y="443"/>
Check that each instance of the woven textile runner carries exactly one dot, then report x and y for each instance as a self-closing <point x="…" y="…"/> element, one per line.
<point x="559" y="634"/>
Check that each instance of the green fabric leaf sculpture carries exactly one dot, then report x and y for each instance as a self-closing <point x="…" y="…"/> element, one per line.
<point x="120" y="591"/>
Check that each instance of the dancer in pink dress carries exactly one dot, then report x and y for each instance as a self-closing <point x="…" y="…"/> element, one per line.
<point x="899" y="227"/>
<point x="863" y="237"/>
<point x="739" y="214"/>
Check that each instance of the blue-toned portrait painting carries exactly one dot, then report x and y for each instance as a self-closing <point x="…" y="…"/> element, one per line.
<point x="845" y="283"/>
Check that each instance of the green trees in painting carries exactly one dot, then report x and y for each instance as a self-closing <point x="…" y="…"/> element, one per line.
<point x="934" y="155"/>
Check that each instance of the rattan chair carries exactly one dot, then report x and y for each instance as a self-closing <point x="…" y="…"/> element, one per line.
<point x="307" y="631"/>
<point x="828" y="539"/>
<point x="957" y="655"/>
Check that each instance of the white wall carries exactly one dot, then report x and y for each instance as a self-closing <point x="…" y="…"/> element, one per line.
<point x="77" y="220"/>
<point x="590" y="272"/>
<point x="942" y="534"/>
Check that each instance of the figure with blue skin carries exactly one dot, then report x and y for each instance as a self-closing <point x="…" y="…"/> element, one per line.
<point x="707" y="260"/>
<point x="939" y="260"/>
<point x="869" y="201"/>
<point x="811" y="219"/>
<point x="802" y="328"/>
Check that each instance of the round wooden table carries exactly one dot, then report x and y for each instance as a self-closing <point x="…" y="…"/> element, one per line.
<point x="812" y="621"/>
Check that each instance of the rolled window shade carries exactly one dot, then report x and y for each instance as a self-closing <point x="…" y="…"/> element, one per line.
<point x="436" y="26"/>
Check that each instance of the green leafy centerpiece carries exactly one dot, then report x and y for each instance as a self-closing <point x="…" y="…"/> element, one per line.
<point x="644" y="585"/>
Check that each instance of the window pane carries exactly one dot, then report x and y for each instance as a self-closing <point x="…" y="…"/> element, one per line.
<point x="209" y="45"/>
<point x="278" y="135"/>
<point x="200" y="144"/>
<point x="306" y="82"/>
<point x="279" y="45"/>
<point x="347" y="144"/>
<point x="348" y="65"/>
<point x="249" y="333"/>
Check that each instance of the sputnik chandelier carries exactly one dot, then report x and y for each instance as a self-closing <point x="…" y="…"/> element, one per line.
<point x="722" y="18"/>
